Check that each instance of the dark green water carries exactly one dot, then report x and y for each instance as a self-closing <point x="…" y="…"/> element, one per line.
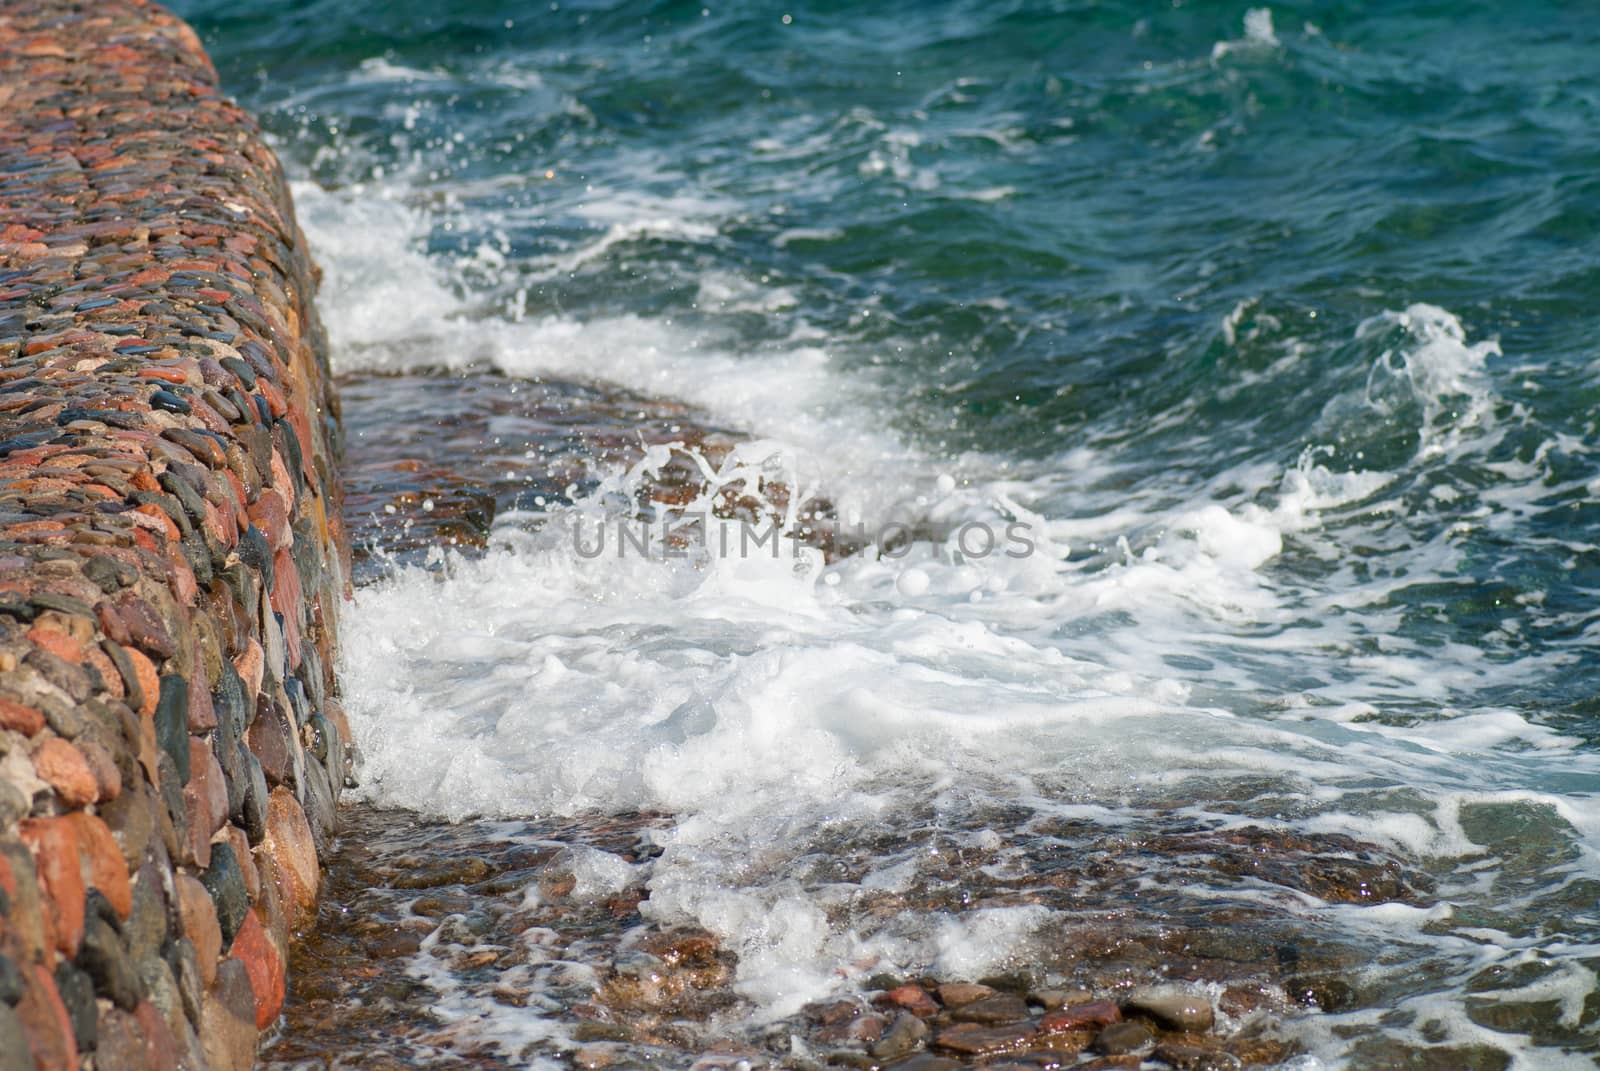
<point x="1283" y="324"/>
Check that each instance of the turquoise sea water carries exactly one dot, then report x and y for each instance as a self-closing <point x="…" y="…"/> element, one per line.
<point x="1284" y="322"/>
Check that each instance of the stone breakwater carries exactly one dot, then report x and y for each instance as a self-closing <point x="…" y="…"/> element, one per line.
<point x="171" y="745"/>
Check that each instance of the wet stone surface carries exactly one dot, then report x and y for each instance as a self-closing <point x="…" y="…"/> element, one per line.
<point x="474" y="945"/>
<point x="433" y="461"/>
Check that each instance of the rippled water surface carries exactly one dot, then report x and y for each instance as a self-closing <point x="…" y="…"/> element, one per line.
<point x="1274" y="329"/>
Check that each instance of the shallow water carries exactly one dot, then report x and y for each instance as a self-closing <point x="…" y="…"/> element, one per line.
<point x="1272" y="331"/>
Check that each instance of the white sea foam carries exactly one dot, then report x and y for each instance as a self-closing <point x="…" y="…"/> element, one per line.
<point x="391" y="309"/>
<point x="1259" y="34"/>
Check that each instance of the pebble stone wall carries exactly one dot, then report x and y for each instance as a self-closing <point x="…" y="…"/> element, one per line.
<point x="171" y="562"/>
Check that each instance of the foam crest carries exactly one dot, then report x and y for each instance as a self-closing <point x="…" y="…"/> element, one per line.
<point x="1436" y="369"/>
<point x="1259" y="35"/>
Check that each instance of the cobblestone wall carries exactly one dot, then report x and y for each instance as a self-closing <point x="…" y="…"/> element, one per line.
<point x="171" y="746"/>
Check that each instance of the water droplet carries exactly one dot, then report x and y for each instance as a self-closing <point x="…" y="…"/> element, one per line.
<point x="912" y="583"/>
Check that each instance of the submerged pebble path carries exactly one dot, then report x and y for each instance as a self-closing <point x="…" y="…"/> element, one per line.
<point x="429" y="925"/>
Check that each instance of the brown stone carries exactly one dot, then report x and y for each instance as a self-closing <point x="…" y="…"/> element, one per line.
<point x="970" y="1039"/>
<point x="205" y="799"/>
<point x="144" y="672"/>
<point x="288" y="600"/>
<point x="227" y="1020"/>
<point x="273" y="916"/>
<point x="1242" y="998"/>
<point x="906" y="1034"/>
<point x="161" y="1048"/>
<point x="131" y="818"/>
<point x="103" y="862"/>
<point x="251" y="666"/>
<point x="149" y="750"/>
<point x="1096" y="1013"/>
<point x="63" y="767"/>
<point x="45" y="1020"/>
<point x="241" y="851"/>
<point x="318" y="802"/>
<point x="593" y="1057"/>
<point x="1000" y="1008"/>
<point x="268" y="514"/>
<point x="1195" y="1056"/>
<point x="70" y="678"/>
<point x="141" y="626"/>
<point x="272" y="740"/>
<point x="199" y="915"/>
<point x="20" y="718"/>
<point x="202" y="714"/>
<point x="1124" y="1037"/>
<point x="955" y="994"/>
<point x="924" y="1061"/>
<point x="109" y="675"/>
<point x="54" y="843"/>
<point x="340" y="766"/>
<point x="26" y="929"/>
<point x="1067" y="1043"/>
<point x="161" y="985"/>
<point x="253" y="948"/>
<point x="107" y="778"/>
<point x="171" y="829"/>
<point x="57" y="643"/>
<point x="396" y="945"/>
<point x="828" y="1014"/>
<point x="863" y="1030"/>
<point x="913" y="998"/>
<point x="121" y="1045"/>
<point x="293" y="855"/>
<point x="1262" y="1051"/>
<point x="1173" y="1008"/>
